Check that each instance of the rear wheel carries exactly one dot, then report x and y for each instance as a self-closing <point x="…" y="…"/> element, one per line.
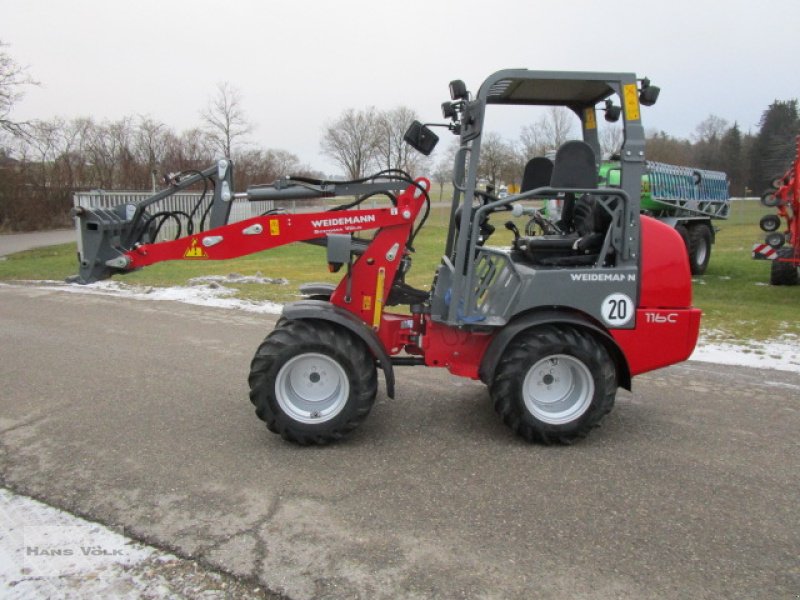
<point x="699" y="248"/>
<point x="783" y="273"/>
<point x="554" y="384"/>
<point x="312" y="382"/>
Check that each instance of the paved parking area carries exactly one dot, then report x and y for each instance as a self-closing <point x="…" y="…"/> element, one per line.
<point x="18" y="242"/>
<point x="135" y="414"/>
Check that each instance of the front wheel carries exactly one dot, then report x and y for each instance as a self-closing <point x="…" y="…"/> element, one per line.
<point x="554" y="384"/>
<point x="312" y="382"/>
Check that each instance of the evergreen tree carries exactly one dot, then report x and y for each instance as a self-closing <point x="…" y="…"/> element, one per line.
<point x="731" y="159"/>
<point x="774" y="146"/>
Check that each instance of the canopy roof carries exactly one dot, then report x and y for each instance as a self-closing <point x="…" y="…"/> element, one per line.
<point x="563" y="88"/>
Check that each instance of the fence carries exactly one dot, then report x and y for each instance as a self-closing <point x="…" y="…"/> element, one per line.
<point x="184" y="202"/>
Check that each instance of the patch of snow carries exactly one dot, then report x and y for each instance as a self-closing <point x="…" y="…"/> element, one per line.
<point x="48" y="553"/>
<point x="199" y="295"/>
<point x="42" y="548"/>
<point x="258" y="278"/>
<point x="783" y="354"/>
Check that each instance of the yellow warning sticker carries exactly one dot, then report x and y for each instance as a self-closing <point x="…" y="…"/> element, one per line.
<point x="274" y="227"/>
<point x="631" y="102"/>
<point x="366" y="303"/>
<point x="589" y="119"/>
<point x="195" y="251"/>
<point x="376" y="318"/>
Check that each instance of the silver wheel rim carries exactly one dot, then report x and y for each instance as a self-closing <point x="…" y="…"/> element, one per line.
<point x="558" y="389"/>
<point x="312" y="388"/>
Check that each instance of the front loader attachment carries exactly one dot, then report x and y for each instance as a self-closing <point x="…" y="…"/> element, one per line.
<point x="105" y="234"/>
<point x="103" y="237"/>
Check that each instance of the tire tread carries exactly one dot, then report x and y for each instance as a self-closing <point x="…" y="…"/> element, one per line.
<point x="516" y="360"/>
<point x="291" y="337"/>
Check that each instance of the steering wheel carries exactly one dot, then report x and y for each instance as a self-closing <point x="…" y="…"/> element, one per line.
<point x="545" y="225"/>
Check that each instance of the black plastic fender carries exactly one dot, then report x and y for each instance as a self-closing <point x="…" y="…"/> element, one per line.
<point x="503" y="337"/>
<point x="325" y="311"/>
<point x="317" y="289"/>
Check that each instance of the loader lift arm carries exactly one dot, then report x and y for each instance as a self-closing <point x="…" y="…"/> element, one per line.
<point x="119" y="240"/>
<point x="266" y="232"/>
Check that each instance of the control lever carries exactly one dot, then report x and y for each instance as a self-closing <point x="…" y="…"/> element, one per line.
<point x="513" y="229"/>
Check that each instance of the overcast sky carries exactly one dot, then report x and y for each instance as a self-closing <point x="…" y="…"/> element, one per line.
<point x="299" y="64"/>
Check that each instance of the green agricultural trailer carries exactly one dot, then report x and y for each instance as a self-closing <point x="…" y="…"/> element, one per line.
<point x="685" y="198"/>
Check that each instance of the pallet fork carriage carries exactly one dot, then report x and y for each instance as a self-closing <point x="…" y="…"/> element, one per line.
<point x="553" y="325"/>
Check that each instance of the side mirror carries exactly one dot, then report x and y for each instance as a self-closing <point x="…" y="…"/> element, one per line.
<point x="421" y="138"/>
<point x="612" y="112"/>
<point x="649" y="93"/>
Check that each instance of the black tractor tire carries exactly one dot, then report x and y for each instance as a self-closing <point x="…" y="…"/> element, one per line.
<point x="784" y="273"/>
<point x="769" y="199"/>
<point x="554" y="383"/>
<point x="699" y="248"/>
<point x="312" y="382"/>
<point x="769" y="223"/>
<point x="683" y="231"/>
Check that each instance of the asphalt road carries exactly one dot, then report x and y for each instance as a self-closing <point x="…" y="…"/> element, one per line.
<point x="135" y="414"/>
<point x="17" y="242"/>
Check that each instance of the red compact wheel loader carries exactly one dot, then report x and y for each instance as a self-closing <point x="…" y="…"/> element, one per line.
<point x="553" y="324"/>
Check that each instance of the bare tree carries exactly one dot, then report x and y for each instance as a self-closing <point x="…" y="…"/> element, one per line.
<point x="712" y="128"/>
<point x="351" y="141"/>
<point x="557" y="125"/>
<point x="497" y="161"/>
<point x="150" y="141"/>
<point x="265" y="166"/>
<point x="548" y="133"/>
<point x="225" y="120"/>
<point x="192" y="149"/>
<point x="532" y="142"/>
<point x="73" y="156"/>
<point x="663" y="147"/>
<point x="43" y="137"/>
<point x="109" y="152"/>
<point x="392" y="151"/>
<point x="708" y="139"/>
<point x="282" y="163"/>
<point x="611" y="138"/>
<point x="12" y="78"/>
<point x="442" y="170"/>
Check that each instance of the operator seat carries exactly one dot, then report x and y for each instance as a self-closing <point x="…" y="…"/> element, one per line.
<point x="583" y="221"/>
<point x="537" y="173"/>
